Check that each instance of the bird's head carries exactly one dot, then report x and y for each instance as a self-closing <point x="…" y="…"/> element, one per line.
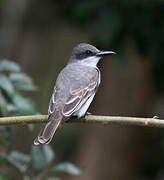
<point x="88" y="54"/>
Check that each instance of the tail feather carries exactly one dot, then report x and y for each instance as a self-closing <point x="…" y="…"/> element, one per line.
<point x="47" y="133"/>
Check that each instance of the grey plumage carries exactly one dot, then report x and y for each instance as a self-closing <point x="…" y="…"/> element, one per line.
<point x="75" y="88"/>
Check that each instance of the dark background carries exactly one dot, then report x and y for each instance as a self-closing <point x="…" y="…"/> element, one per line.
<point x="40" y="35"/>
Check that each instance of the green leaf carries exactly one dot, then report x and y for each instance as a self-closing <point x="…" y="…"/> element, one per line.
<point x="3" y="104"/>
<point x="21" y="160"/>
<point x="23" y="105"/>
<point x="67" y="167"/>
<point x="20" y="157"/>
<point x="22" y="81"/>
<point x="41" y="156"/>
<point x="6" y="85"/>
<point x="10" y="108"/>
<point x="6" y="65"/>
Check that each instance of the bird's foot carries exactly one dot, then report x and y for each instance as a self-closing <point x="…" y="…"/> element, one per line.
<point x="88" y="113"/>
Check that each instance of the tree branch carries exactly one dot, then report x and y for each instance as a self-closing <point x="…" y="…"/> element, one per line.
<point x="151" y="122"/>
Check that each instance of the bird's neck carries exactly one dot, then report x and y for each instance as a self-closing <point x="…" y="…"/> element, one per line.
<point x="90" y="61"/>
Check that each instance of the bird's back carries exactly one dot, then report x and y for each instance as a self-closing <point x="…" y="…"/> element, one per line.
<point x="73" y="77"/>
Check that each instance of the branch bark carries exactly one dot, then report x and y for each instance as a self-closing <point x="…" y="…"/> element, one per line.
<point x="150" y="122"/>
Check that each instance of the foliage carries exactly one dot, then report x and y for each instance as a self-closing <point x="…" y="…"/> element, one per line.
<point x="35" y="164"/>
<point x="12" y="102"/>
<point x="12" y="80"/>
<point x="67" y="168"/>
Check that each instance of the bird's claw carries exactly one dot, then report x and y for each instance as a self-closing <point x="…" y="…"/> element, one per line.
<point x="87" y="113"/>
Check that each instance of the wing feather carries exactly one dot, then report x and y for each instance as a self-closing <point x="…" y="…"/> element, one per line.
<point x="78" y="98"/>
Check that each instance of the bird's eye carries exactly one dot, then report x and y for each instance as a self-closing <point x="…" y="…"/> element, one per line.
<point x="88" y="52"/>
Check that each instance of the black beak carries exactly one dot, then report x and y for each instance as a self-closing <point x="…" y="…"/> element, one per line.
<point x="105" y="53"/>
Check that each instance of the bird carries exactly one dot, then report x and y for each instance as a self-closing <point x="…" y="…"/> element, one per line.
<point x="75" y="88"/>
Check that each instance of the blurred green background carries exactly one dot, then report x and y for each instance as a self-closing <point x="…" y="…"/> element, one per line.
<point x="39" y="36"/>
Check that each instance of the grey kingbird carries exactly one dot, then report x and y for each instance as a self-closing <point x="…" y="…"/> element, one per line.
<point x="74" y="90"/>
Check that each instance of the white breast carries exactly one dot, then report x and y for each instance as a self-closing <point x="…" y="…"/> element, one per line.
<point x="82" y="111"/>
<point x="90" y="61"/>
